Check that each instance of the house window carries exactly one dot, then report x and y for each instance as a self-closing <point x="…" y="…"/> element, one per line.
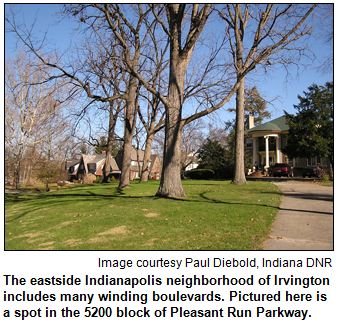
<point x="136" y="175"/>
<point x="249" y="143"/>
<point x="135" y="163"/>
<point x="315" y="161"/>
<point x="71" y="169"/>
<point x="81" y="167"/>
<point x="91" y="167"/>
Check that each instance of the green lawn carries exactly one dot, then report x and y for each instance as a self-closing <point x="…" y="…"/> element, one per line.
<point x="215" y="215"/>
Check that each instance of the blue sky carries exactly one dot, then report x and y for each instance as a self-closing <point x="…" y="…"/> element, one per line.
<point x="273" y="86"/>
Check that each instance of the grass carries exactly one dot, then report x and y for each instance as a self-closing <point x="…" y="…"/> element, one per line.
<point x="325" y="182"/>
<point x="215" y="215"/>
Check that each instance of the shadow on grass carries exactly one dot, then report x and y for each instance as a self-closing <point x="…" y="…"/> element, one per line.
<point x="56" y="199"/>
<point x="205" y="198"/>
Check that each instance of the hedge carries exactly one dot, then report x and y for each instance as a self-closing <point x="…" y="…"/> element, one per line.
<point x="200" y="174"/>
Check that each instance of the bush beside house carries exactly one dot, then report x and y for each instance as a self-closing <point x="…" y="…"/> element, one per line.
<point x="200" y="174"/>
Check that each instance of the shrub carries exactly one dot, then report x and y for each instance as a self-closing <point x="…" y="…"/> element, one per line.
<point x="60" y="177"/>
<point x="325" y="178"/>
<point x="200" y="174"/>
<point x="89" y="179"/>
<point x="31" y="182"/>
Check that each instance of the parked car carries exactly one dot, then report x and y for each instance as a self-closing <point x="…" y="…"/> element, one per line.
<point x="314" y="171"/>
<point x="282" y="169"/>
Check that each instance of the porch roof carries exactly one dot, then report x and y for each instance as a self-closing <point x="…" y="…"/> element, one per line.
<point x="278" y="124"/>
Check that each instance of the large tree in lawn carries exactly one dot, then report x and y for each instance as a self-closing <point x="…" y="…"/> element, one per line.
<point x="311" y="129"/>
<point x="261" y="34"/>
<point x="212" y="94"/>
<point x="153" y="117"/>
<point x="180" y="56"/>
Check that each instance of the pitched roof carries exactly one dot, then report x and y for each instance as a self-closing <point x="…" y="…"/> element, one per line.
<point x="278" y="124"/>
<point x="152" y="160"/>
<point x="140" y="154"/>
<point x="72" y="162"/>
<point x="114" y="164"/>
<point x="99" y="160"/>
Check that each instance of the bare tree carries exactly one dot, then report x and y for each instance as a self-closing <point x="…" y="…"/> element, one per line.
<point x="272" y="32"/>
<point x="27" y="105"/>
<point x="103" y="63"/>
<point x="93" y="72"/>
<point x="129" y="38"/>
<point x="181" y="50"/>
<point x="52" y="147"/>
<point x="151" y="126"/>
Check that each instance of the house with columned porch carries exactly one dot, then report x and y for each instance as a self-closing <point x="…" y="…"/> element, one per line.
<point x="264" y="144"/>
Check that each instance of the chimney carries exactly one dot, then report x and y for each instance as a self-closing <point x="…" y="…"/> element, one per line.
<point x="250" y="121"/>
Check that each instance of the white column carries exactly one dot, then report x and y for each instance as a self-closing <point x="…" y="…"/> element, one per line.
<point x="277" y="150"/>
<point x="254" y="150"/>
<point x="267" y="151"/>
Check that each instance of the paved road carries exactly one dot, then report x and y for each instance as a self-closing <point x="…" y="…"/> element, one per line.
<point x="305" y="219"/>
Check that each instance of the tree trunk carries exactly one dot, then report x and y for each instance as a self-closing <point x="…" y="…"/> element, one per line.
<point x="170" y="184"/>
<point x="129" y="128"/>
<point x="108" y="160"/>
<point x="16" y="179"/>
<point x="239" y="166"/>
<point x="147" y="156"/>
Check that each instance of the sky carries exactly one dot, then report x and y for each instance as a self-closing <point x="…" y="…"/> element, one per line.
<point x="274" y="86"/>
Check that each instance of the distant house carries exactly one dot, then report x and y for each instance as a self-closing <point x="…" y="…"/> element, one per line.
<point x="91" y="164"/>
<point x="137" y="162"/>
<point x="155" y="168"/>
<point x="264" y="144"/>
<point x="191" y="161"/>
<point x="71" y="167"/>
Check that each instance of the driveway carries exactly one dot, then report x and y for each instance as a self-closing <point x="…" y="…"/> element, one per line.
<point x="305" y="218"/>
